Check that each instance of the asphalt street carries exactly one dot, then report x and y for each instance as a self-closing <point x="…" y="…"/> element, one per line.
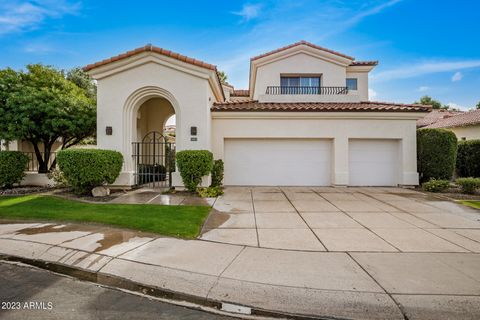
<point x="31" y="293"/>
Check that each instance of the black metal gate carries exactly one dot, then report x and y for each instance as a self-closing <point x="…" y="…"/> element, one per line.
<point x="154" y="160"/>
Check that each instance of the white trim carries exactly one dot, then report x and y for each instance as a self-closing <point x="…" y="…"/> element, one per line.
<point x="130" y="109"/>
<point x="143" y="58"/>
<point x="318" y="115"/>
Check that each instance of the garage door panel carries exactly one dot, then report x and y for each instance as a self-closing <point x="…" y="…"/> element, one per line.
<point x="277" y="162"/>
<point x="374" y="162"/>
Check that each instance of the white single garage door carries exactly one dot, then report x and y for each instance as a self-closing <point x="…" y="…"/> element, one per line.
<point x="374" y="162"/>
<point x="282" y="162"/>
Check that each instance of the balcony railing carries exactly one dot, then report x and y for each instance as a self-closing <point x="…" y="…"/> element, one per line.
<point x="306" y="90"/>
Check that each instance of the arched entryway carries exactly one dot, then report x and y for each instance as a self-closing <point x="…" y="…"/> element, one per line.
<point x="150" y="118"/>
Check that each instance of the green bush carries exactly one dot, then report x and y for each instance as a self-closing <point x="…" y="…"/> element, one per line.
<point x="86" y="169"/>
<point x="210" y="192"/>
<point x="58" y="178"/>
<point x="436" y="154"/>
<point x="12" y="168"/>
<point x="468" y="158"/>
<point x="193" y="165"/>
<point x="217" y="173"/>
<point x="435" y="185"/>
<point x="468" y="185"/>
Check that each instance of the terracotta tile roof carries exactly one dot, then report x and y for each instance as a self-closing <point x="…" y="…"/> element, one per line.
<point x="303" y="42"/>
<point x="364" y="63"/>
<point x="241" y="93"/>
<point x="366" y="106"/>
<point x="436" y="115"/>
<point x="459" y="120"/>
<point x="150" y="48"/>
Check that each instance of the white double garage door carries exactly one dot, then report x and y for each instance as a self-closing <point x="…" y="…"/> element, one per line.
<point x="309" y="162"/>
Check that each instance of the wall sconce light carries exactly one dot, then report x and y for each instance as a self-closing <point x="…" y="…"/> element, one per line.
<point x="109" y="131"/>
<point x="193" y="131"/>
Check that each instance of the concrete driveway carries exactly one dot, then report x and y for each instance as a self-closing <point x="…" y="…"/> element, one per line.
<point x="342" y="219"/>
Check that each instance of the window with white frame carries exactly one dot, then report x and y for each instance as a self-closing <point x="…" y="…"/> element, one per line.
<point x="352" y="83"/>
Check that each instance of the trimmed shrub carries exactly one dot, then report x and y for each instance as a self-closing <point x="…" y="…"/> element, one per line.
<point x="210" y="192"/>
<point x="12" y="168"/>
<point x="435" y="185"/>
<point x="85" y="169"/>
<point x="468" y="158"/>
<point x="436" y="154"/>
<point x="58" y="178"/>
<point x="468" y="185"/>
<point x="193" y="165"/>
<point x="217" y="173"/>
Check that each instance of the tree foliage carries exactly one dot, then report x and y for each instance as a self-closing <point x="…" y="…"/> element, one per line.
<point x="223" y="77"/>
<point x="40" y="105"/>
<point x="478" y="105"/>
<point x="427" y="100"/>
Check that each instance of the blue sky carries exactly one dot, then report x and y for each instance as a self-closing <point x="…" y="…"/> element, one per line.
<point x="424" y="46"/>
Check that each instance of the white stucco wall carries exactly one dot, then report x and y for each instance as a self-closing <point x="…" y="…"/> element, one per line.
<point x="121" y="93"/>
<point x="362" y="84"/>
<point x="340" y="127"/>
<point x="469" y="132"/>
<point x="332" y="74"/>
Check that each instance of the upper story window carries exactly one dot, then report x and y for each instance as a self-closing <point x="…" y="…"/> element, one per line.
<point x="299" y="85"/>
<point x="352" y="83"/>
<point x="299" y="81"/>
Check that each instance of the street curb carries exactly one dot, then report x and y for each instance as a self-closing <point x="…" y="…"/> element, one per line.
<point x="125" y="284"/>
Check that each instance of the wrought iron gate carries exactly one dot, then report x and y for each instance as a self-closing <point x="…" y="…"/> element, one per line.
<point x="154" y="160"/>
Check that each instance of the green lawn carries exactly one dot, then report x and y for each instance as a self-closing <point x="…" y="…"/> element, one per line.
<point x="471" y="203"/>
<point x="176" y="221"/>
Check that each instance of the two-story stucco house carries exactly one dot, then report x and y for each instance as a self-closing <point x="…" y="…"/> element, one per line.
<point x="304" y="120"/>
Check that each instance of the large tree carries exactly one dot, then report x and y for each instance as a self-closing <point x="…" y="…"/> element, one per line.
<point x="427" y="100"/>
<point x="40" y="105"/>
<point x="478" y="105"/>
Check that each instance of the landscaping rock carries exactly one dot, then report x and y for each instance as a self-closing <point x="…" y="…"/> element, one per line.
<point x="100" y="191"/>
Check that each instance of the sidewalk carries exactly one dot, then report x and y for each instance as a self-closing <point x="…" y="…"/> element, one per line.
<point x="348" y="285"/>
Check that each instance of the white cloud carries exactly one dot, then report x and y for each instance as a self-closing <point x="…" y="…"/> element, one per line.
<point x="249" y="11"/>
<point x="18" y="16"/>
<point x="453" y="105"/>
<point x="372" y="94"/>
<point x="359" y="16"/>
<point x="420" y="69"/>
<point x="423" y="89"/>
<point x="457" y="76"/>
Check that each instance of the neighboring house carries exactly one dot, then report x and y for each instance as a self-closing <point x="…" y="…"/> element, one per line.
<point x="304" y="120"/>
<point x="436" y="115"/>
<point x="466" y="125"/>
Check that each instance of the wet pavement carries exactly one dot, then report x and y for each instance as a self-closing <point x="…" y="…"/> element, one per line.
<point x="342" y="220"/>
<point x="41" y="294"/>
<point x="356" y="253"/>
<point x="158" y="196"/>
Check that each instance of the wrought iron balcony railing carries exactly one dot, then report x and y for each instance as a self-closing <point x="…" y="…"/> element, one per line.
<point x="306" y="90"/>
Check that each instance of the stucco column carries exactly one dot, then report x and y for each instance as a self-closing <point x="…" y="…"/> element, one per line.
<point x="409" y="174"/>
<point x="340" y="161"/>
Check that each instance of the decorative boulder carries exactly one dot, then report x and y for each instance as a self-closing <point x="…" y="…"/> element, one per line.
<point x="100" y="191"/>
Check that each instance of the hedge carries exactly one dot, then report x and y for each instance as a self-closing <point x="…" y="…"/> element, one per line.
<point x="193" y="165"/>
<point x="86" y="169"/>
<point x="12" y="168"/>
<point x="217" y="173"/>
<point x="468" y="158"/>
<point x="436" y="154"/>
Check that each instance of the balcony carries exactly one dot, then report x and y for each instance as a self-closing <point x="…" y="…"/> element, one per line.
<point x="278" y="90"/>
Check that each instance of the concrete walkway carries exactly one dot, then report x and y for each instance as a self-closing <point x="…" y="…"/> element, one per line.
<point x="352" y="285"/>
<point x="342" y="220"/>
